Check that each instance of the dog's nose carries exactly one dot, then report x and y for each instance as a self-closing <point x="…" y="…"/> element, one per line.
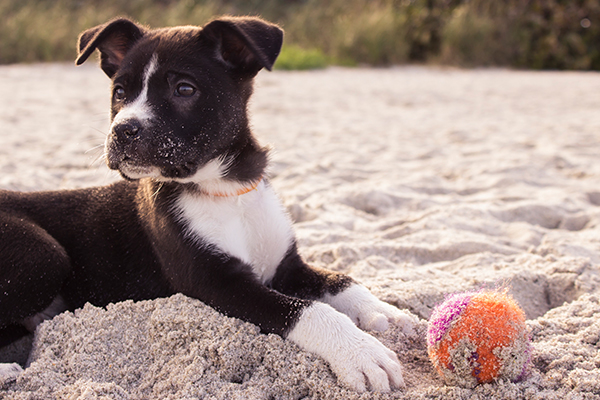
<point x="127" y="130"/>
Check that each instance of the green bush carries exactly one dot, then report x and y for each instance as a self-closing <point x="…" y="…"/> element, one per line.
<point x="293" y="57"/>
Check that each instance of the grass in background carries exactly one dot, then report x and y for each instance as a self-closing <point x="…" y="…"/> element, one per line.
<point x="350" y="32"/>
<point x="558" y="34"/>
<point x="47" y="30"/>
<point x="294" y="57"/>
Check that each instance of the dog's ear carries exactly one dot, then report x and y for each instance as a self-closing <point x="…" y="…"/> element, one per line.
<point x="245" y="43"/>
<point x="113" y="40"/>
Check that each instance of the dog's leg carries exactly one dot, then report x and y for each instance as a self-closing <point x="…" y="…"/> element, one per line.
<point x="295" y="278"/>
<point x="230" y="286"/>
<point x="32" y="269"/>
<point x="358" y="359"/>
<point x="330" y="330"/>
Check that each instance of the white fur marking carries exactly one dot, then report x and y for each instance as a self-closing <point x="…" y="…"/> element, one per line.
<point x="352" y="354"/>
<point x="139" y="109"/>
<point x="367" y="311"/>
<point x="252" y="227"/>
<point x="210" y="179"/>
<point x="213" y="170"/>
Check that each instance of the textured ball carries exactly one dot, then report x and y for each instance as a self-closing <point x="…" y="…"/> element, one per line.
<point x="479" y="337"/>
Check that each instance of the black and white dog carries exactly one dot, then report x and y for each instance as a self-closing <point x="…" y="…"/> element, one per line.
<point x="195" y="213"/>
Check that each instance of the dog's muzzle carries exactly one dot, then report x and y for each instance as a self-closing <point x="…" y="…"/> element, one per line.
<point x="135" y="151"/>
<point x="125" y="145"/>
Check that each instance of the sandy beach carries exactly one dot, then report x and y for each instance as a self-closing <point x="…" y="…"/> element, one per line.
<point x="418" y="182"/>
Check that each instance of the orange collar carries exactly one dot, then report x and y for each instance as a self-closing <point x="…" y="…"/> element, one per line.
<point x="240" y="192"/>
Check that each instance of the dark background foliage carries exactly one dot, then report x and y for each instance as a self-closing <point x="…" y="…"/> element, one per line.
<point x="537" y="34"/>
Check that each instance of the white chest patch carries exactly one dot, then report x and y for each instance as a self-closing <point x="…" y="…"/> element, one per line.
<point x="252" y="227"/>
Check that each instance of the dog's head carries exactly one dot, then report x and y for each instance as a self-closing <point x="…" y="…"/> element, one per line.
<point x="179" y="98"/>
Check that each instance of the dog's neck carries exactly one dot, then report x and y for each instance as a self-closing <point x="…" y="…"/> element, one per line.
<point x="227" y="175"/>
<point x="242" y="190"/>
<point x="217" y="187"/>
<point x="241" y="173"/>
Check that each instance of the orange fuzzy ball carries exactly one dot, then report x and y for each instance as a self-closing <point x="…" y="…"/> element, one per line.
<point x="478" y="337"/>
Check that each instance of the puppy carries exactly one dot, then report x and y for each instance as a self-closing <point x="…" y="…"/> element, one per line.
<point x="195" y="212"/>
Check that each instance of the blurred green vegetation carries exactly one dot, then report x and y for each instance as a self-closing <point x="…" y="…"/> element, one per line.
<point x="293" y="57"/>
<point x="538" y="34"/>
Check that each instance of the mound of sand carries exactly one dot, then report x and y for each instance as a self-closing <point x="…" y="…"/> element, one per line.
<point x="418" y="182"/>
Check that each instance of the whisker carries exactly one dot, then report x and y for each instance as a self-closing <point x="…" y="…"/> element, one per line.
<point x="98" y="130"/>
<point x="99" y="160"/>
<point x="94" y="148"/>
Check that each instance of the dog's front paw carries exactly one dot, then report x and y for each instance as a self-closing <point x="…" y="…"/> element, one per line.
<point x="358" y="359"/>
<point x="368" y="312"/>
<point x="366" y="361"/>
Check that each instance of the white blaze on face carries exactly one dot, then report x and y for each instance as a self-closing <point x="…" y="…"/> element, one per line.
<point x="139" y="109"/>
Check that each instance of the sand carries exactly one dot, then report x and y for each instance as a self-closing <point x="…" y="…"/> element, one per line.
<point x="418" y="182"/>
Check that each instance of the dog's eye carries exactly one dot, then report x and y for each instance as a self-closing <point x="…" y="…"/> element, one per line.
<point x="119" y="93"/>
<point x="185" y="90"/>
